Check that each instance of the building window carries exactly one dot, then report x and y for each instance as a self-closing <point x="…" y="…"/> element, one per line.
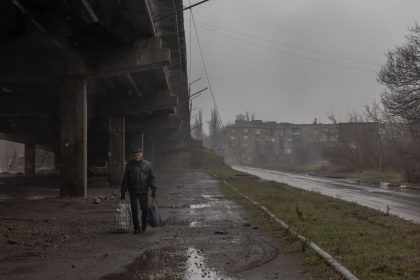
<point x="232" y="137"/>
<point x="258" y="132"/>
<point x="269" y="132"/>
<point x="245" y="130"/>
<point x="245" y="136"/>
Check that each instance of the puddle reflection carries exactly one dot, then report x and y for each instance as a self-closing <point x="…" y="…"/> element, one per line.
<point x="200" y="206"/>
<point x="195" y="224"/>
<point x="197" y="269"/>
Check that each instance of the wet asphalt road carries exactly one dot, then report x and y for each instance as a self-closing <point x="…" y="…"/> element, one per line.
<point x="402" y="202"/>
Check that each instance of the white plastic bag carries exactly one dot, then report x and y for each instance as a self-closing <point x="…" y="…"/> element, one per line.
<point x="122" y="218"/>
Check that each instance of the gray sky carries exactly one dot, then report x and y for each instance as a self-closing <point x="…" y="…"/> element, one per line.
<point x="282" y="83"/>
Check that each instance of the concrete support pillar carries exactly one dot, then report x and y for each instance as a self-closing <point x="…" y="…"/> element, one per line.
<point x="29" y="159"/>
<point x="57" y="161"/>
<point x="116" y="149"/>
<point x="73" y="139"/>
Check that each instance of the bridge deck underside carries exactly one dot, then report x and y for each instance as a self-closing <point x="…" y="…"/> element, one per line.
<point x="91" y="79"/>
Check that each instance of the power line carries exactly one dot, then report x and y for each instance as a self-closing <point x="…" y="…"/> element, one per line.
<point x="211" y="90"/>
<point x="302" y="57"/>
<point x="205" y="67"/>
<point x="289" y="45"/>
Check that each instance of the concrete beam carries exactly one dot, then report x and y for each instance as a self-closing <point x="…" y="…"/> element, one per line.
<point x="111" y="64"/>
<point x="73" y="139"/>
<point x="59" y="63"/>
<point x="129" y="105"/>
<point x="133" y="85"/>
<point x="99" y="106"/>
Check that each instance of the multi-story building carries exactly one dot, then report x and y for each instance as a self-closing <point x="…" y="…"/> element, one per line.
<point x="258" y="142"/>
<point x="265" y="143"/>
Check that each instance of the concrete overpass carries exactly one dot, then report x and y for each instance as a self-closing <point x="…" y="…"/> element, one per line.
<point x="89" y="79"/>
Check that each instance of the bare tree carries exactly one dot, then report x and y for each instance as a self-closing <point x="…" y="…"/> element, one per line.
<point x="401" y="99"/>
<point x="358" y="145"/>
<point x="249" y="116"/>
<point x="331" y="117"/>
<point x="401" y="77"/>
<point x="215" y="131"/>
<point x="198" y="126"/>
<point x="400" y="147"/>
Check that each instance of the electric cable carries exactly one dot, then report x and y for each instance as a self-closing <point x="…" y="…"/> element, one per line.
<point x="333" y="262"/>
<point x="289" y="45"/>
<point x="302" y="57"/>
<point x="211" y="91"/>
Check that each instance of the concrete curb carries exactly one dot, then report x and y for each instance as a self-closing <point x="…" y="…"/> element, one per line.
<point x="341" y="269"/>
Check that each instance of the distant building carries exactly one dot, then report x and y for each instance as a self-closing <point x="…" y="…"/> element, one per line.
<point x="261" y="143"/>
<point x="240" y="117"/>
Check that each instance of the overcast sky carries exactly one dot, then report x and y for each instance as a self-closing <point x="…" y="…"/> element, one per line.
<point x="294" y="60"/>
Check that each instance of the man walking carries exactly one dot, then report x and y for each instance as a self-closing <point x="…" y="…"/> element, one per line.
<point x="138" y="178"/>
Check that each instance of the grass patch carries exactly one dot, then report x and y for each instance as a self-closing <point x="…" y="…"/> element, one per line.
<point x="372" y="244"/>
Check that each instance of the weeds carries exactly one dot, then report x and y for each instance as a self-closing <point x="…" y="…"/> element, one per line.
<point x="372" y="244"/>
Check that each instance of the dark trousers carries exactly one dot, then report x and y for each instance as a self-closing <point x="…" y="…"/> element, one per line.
<point x="135" y="199"/>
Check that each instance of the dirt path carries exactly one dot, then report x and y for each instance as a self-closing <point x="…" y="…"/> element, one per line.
<point x="204" y="236"/>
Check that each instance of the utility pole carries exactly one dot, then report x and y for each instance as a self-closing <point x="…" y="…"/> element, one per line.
<point x="189" y="94"/>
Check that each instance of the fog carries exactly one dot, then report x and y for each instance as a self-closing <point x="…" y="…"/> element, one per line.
<point x="325" y="60"/>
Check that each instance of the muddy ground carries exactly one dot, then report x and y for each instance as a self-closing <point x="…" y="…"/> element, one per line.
<point x="204" y="236"/>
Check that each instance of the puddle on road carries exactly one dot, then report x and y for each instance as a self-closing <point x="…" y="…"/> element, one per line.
<point x="200" y="206"/>
<point x="196" y="268"/>
<point x="168" y="263"/>
<point x="195" y="224"/>
<point x="384" y="185"/>
<point x="212" y="197"/>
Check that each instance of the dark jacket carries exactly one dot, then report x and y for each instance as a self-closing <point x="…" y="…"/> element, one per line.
<point x="138" y="177"/>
